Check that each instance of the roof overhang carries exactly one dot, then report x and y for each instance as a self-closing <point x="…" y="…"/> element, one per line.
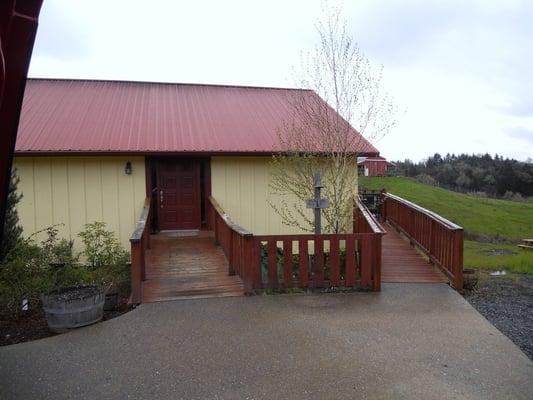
<point x="81" y="153"/>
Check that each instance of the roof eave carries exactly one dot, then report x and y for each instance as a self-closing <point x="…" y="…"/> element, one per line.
<point x="93" y="153"/>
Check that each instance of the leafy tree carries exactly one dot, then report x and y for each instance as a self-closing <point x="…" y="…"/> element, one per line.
<point x="318" y="137"/>
<point x="475" y="173"/>
<point x="12" y="230"/>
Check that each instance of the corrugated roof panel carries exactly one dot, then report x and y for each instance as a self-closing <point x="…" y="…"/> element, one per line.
<point x="113" y="116"/>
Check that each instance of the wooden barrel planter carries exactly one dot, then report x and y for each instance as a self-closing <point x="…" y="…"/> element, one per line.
<point x="73" y="307"/>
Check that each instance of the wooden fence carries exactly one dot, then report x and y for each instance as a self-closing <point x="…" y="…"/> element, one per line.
<point x="140" y="242"/>
<point x="301" y="260"/>
<point x="441" y="240"/>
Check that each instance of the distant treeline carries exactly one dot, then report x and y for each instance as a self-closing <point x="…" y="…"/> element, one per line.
<point x="493" y="176"/>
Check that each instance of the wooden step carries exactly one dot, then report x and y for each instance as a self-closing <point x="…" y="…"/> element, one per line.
<point x="187" y="267"/>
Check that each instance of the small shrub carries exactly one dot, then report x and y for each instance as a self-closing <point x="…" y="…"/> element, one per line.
<point x="23" y="277"/>
<point x="102" y="248"/>
<point x="31" y="269"/>
<point x="106" y="257"/>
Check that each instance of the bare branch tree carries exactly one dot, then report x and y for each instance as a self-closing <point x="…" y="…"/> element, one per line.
<point x="328" y="126"/>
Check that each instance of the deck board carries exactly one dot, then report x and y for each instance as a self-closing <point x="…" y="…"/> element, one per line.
<point x="187" y="267"/>
<point x="401" y="263"/>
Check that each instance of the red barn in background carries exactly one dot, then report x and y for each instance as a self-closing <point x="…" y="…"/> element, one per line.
<point x="373" y="166"/>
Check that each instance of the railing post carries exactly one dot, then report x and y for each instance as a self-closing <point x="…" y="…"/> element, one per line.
<point x="383" y="205"/>
<point x="377" y="265"/>
<point x="148" y="239"/>
<point x="366" y="260"/>
<point x="140" y="241"/>
<point x="215" y="228"/>
<point x="248" y="266"/>
<point x="457" y="268"/>
<point x="231" y="256"/>
<point x="143" y="261"/>
<point x="136" y="295"/>
<point x="431" y="245"/>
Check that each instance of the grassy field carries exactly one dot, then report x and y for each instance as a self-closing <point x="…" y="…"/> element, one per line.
<point x="497" y="257"/>
<point x="480" y="217"/>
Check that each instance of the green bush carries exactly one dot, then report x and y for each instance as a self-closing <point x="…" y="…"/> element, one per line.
<point x="24" y="276"/>
<point x="106" y="258"/>
<point x="32" y="269"/>
<point x="102" y="248"/>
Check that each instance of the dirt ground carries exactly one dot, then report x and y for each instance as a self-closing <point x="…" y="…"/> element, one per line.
<point x="32" y="326"/>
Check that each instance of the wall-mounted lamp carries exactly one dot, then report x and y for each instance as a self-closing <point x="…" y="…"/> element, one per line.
<point x="127" y="169"/>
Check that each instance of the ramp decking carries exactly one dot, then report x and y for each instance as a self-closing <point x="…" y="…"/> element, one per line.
<point x="187" y="267"/>
<point x="401" y="263"/>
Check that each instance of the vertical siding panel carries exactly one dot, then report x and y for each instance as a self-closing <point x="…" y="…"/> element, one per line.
<point x="76" y="190"/>
<point x="224" y="183"/>
<point x="122" y="195"/>
<point x="233" y="189"/>
<point x="126" y="202"/>
<point x="247" y="192"/>
<point x="110" y="200"/>
<point x="93" y="191"/>
<point x="60" y="196"/>
<point x="139" y="187"/>
<point x="43" y="193"/>
<point x="218" y="180"/>
<point x="261" y="206"/>
<point x="26" y="206"/>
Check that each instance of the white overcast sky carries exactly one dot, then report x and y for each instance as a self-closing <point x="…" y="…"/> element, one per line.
<point x="462" y="69"/>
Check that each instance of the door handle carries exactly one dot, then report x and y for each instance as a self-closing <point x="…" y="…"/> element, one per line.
<point x="161" y="198"/>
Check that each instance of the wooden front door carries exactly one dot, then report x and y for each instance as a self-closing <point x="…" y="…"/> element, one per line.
<point x="178" y="191"/>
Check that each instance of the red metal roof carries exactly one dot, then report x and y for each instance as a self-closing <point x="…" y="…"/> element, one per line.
<point x="117" y="117"/>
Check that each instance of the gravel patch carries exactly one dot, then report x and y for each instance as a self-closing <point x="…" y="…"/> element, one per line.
<point x="507" y="302"/>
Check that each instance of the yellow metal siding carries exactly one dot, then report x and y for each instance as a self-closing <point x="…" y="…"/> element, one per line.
<point x="77" y="190"/>
<point x="240" y="185"/>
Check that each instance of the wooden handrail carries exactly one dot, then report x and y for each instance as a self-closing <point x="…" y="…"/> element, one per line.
<point x="141" y="222"/>
<point x="425" y="211"/>
<point x="372" y="221"/>
<point x="232" y="225"/>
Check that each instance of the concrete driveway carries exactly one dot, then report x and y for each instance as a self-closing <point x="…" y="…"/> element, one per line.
<point x="408" y="342"/>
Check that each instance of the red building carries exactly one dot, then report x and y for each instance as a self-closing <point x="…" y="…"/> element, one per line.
<point x="373" y="166"/>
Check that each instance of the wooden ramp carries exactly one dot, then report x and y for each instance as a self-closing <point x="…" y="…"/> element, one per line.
<point x="401" y="263"/>
<point x="184" y="267"/>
